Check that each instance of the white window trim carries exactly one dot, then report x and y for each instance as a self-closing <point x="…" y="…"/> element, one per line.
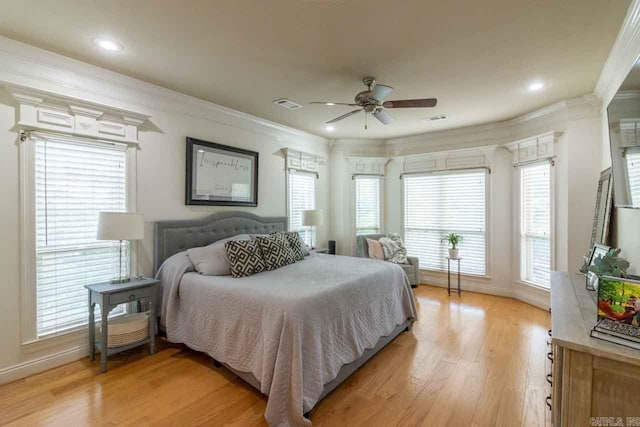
<point x="315" y="195"/>
<point x="354" y="221"/>
<point x="487" y="218"/>
<point x="28" y="300"/>
<point x="517" y="226"/>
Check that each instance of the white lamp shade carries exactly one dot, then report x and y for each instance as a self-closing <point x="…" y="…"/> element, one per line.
<point x="312" y="217"/>
<point x="120" y="226"/>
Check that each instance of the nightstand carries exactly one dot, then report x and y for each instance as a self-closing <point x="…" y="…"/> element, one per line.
<point x="319" y="251"/>
<point x="108" y="296"/>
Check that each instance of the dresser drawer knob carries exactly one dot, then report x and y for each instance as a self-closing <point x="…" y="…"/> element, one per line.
<point x="549" y="379"/>
<point x="132" y="297"/>
<point x="550" y="356"/>
<point x="548" y="401"/>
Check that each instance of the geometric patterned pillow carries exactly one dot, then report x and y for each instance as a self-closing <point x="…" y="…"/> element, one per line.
<point x="295" y="243"/>
<point x="245" y="257"/>
<point x="275" y="250"/>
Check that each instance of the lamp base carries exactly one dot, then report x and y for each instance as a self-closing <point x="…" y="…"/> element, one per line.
<point x="120" y="280"/>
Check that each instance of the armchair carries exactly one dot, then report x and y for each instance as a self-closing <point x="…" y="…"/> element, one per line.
<point x="412" y="269"/>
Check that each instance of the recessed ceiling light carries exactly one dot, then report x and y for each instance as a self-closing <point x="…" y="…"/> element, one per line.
<point x="330" y="128"/>
<point x="536" y="86"/>
<point x="108" y="44"/>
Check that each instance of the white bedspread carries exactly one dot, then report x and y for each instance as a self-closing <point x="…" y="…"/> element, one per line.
<point x="293" y="328"/>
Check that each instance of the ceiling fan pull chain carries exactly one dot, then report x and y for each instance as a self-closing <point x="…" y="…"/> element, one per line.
<point x="365" y="120"/>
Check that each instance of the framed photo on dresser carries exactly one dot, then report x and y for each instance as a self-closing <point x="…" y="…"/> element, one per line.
<point x="220" y="175"/>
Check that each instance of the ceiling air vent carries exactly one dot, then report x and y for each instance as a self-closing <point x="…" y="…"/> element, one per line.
<point x="435" y="118"/>
<point x="287" y="103"/>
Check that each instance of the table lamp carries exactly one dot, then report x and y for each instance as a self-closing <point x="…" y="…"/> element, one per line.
<point x="120" y="226"/>
<point x="312" y="218"/>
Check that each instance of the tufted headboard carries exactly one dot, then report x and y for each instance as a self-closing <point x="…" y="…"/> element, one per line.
<point x="171" y="237"/>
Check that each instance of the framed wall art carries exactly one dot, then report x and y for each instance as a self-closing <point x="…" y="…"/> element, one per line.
<point x="220" y="175"/>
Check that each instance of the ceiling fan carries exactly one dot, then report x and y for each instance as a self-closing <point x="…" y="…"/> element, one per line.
<point x="372" y="101"/>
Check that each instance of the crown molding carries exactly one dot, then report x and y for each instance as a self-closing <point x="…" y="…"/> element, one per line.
<point x="623" y="56"/>
<point x="41" y="110"/>
<point x="538" y="147"/>
<point x="28" y="66"/>
<point x="363" y="165"/>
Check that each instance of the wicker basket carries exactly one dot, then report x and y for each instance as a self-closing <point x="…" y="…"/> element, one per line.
<point x="127" y="329"/>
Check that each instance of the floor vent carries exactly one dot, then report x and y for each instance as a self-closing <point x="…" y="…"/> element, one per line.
<point x="287" y="103"/>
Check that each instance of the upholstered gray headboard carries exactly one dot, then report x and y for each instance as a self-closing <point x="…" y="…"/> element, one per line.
<point x="172" y="237"/>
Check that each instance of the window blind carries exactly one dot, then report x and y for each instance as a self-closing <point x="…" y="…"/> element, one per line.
<point x="302" y="196"/>
<point x="368" y="204"/>
<point x="535" y="223"/>
<point x="633" y="170"/>
<point x="438" y="204"/>
<point x="74" y="181"/>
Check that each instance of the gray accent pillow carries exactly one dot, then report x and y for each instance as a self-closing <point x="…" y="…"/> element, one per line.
<point x="245" y="257"/>
<point x="212" y="260"/>
<point x="394" y="249"/>
<point x="275" y="250"/>
<point x="295" y="243"/>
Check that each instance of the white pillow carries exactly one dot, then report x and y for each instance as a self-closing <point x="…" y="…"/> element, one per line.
<point x="212" y="260"/>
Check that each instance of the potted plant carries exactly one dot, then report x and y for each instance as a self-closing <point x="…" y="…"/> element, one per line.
<point x="608" y="264"/>
<point x="453" y="239"/>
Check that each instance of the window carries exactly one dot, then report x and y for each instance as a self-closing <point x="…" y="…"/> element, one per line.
<point x="535" y="223"/>
<point x="302" y="196"/>
<point x="633" y="171"/>
<point x="73" y="182"/>
<point x="438" y="204"/>
<point x="368" y="194"/>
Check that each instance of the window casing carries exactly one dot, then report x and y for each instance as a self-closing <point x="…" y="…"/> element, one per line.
<point x="368" y="204"/>
<point x="301" y="196"/>
<point x="535" y="223"/>
<point x="74" y="181"/>
<point x="441" y="203"/>
<point x="633" y="174"/>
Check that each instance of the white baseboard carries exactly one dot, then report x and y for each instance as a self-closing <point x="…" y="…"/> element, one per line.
<point x="533" y="295"/>
<point x="481" y="284"/>
<point x="22" y="370"/>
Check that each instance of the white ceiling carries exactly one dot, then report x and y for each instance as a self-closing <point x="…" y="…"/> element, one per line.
<point x="476" y="57"/>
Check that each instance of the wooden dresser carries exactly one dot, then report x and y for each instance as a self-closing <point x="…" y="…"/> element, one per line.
<point x="591" y="377"/>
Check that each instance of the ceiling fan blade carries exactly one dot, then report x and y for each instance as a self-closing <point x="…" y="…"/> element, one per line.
<point x="411" y="103"/>
<point x="344" y="116"/>
<point x="333" y="103"/>
<point x="383" y="116"/>
<point x="380" y="92"/>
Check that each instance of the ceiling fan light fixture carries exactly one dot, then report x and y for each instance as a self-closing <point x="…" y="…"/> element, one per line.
<point x="330" y="103"/>
<point x="330" y="128"/>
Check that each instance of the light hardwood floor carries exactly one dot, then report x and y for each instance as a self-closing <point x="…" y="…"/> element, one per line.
<point x="477" y="360"/>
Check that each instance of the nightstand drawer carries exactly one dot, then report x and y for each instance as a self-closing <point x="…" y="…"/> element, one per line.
<point x="131" y="295"/>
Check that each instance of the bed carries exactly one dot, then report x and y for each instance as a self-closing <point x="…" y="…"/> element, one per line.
<point x="294" y="333"/>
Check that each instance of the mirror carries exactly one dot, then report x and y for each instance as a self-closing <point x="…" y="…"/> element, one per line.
<point x="601" y="219"/>
<point x="624" y="136"/>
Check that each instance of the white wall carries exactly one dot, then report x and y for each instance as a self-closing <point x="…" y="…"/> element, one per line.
<point x="576" y="176"/>
<point x="160" y="173"/>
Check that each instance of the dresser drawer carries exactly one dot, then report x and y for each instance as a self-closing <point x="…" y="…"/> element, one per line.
<point x="132" y="295"/>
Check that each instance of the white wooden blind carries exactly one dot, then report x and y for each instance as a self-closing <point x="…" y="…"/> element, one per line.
<point x="302" y="196"/>
<point x="438" y="204"/>
<point x="535" y="223"/>
<point x="74" y="181"/>
<point x="368" y="189"/>
<point x="633" y="170"/>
